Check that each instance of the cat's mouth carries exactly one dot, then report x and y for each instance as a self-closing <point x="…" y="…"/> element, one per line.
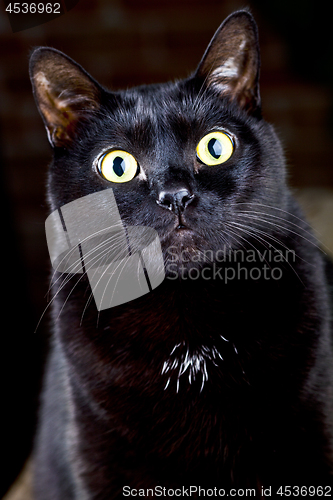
<point x="181" y="245"/>
<point x="181" y="230"/>
<point x="177" y="233"/>
<point x="182" y="227"/>
<point x="181" y="223"/>
<point x="179" y="226"/>
<point x="180" y="238"/>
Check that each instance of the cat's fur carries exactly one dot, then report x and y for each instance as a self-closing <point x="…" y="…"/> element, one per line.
<point x="200" y="382"/>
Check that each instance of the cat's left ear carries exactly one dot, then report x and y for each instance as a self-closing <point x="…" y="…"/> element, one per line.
<point x="231" y="62"/>
<point x="65" y="94"/>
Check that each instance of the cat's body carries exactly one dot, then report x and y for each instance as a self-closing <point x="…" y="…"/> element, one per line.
<point x="212" y="379"/>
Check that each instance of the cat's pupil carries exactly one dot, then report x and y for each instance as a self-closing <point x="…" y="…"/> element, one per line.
<point x="215" y="148"/>
<point x="119" y="166"/>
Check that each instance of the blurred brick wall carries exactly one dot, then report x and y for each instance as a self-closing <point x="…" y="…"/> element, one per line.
<point x="121" y="43"/>
<point x="128" y="42"/>
<point x="124" y="43"/>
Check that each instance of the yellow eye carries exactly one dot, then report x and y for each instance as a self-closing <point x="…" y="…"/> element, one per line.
<point x="215" y="148"/>
<point x="118" y="166"/>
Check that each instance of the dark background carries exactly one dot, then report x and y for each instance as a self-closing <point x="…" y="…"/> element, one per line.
<point x="124" y="43"/>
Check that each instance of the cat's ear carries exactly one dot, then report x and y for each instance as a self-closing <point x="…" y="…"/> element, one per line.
<point x="64" y="93"/>
<point x="231" y="62"/>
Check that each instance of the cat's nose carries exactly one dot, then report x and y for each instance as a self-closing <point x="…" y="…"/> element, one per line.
<point x="176" y="199"/>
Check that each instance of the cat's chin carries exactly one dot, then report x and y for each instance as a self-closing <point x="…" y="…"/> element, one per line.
<point x="180" y="238"/>
<point x="183" y="250"/>
<point x="184" y="232"/>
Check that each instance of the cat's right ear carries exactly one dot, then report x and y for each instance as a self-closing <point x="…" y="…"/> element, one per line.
<point x="64" y="93"/>
<point x="231" y="62"/>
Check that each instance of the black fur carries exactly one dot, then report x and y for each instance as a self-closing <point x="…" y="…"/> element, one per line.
<point x="257" y="410"/>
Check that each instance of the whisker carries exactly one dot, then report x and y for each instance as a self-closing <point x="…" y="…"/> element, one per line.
<point x="106" y="286"/>
<point x="250" y="233"/>
<point x="92" y="262"/>
<point x="102" y="260"/>
<point x="258" y="204"/>
<point x="257" y="238"/>
<point x="283" y="227"/>
<point x="250" y="230"/>
<point x="69" y="276"/>
<point x="204" y="87"/>
<point x="279" y="218"/>
<point x="77" y="264"/>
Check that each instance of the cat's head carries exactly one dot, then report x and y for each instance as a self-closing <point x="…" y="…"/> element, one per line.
<point x="187" y="158"/>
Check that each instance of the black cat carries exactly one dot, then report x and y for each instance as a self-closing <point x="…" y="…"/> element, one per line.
<point x="221" y="377"/>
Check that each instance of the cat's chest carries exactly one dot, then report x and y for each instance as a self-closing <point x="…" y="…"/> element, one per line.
<point x="181" y="373"/>
<point x="168" y="349"/>
<point x="191" y="332"/>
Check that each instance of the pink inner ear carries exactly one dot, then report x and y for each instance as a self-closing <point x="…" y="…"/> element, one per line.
<point x="64" y="93"/>
<point x="231" y="62"/>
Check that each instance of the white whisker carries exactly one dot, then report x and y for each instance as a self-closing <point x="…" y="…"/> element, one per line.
<point x="253" y="232"/>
